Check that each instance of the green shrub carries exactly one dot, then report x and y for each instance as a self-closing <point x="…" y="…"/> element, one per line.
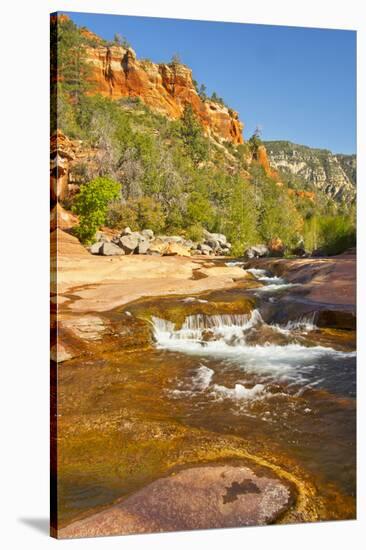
<point x="141" y="213"/>
<point x="199" y="209"/>
<point x="195" y="233"/>
<point x="336" y="234"/>
<point x="191" y="133"/>
<point x="91" y="205"/>
<point x="150" y="214"/>
<point x="121" y="215"/>
<point x="332" y="234"/>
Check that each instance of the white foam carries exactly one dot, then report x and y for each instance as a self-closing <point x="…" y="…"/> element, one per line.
<point x="227" y="341"/>
<point x="239" y="392"/>
<point x="194" y="299"/>
<point x="234" y="263"/>
<point x="257" y="272"/>
<point x="202" y="379"/>
<point x="275" y="287"/>
<point x="227" y="328"/>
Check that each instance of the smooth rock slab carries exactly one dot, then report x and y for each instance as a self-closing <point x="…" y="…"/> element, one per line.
<point x="196" y="498"/>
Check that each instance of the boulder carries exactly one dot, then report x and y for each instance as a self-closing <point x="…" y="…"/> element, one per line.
<point x="95" y="248"/>
<point x="143" y="245"/>
<point x="162" y="248"/>
<point x="110" y="249"/>
<point x="257" y="251"/>
<point x="126" y="231"/>
<point x="200" y="497"/>
<point x="171" y="238"/>
<point x="128" y="243"/>
<point x="149" y="233"/>
<point x="219" y="237"/>
<point x="318" y="253"/>
<point x="276" y="247"/>
<point x="176" y="249"/>
<point x="100" y="236"/>
<point x="205" y="249"/>
<point x="299" y="251"/>
<point x="157" y="246"/>
<point x="214" y="245"/>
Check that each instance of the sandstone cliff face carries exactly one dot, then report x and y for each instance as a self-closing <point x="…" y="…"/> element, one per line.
<point x="65" y="154"/>
<point x="333" y="174"/>
<point x="167" y="88"/>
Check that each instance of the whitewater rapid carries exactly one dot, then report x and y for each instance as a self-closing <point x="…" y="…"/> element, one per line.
<point x="285" y="356"/>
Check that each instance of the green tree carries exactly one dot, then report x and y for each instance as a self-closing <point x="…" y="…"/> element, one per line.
<point x="91" y="205"/>
<point x="120" y="40"/>
<point x="278" y="217"/>
<point x="199" y="209"/>
<point x="69" y="68"/>
<point x="176" y="60"/>
<point x="192" y="136"/>
<point x="241" y="217"/>
<point x="202" y="92"/>
<point x="255" y="141"/>
<point x="333" y="234"/>
<point x="150" y="214"/>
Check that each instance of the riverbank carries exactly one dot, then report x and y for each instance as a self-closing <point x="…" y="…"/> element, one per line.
<point x="100" y="283"/>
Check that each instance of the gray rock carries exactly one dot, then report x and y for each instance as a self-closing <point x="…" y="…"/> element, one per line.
<point x="111" y="249"/>
<point x="126" y="231"/>
<point x="257" y="251"/>
<point x="143" y="246"/>
<point x="149" y="233"/>
<point x="215" y="245"/>
<point x="128" y="243"/>
<point x="95" y="248"/>
<point x="205" y="249"/>
<point x="171" y="238"/>
<point x="219" y="237"/>
<point x="318" y="253"/>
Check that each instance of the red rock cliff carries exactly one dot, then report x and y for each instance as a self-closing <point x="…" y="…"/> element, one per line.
<point x="117" y="73"/>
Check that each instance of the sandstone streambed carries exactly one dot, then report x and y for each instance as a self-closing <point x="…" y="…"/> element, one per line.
<point x="183" y="382"/>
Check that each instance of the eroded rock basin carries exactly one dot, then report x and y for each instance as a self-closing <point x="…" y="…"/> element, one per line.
<point x="195" y="498"/>
<point x="170" y="385"/>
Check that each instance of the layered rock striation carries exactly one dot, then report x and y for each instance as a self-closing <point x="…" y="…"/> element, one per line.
<point x="335" y="175"/>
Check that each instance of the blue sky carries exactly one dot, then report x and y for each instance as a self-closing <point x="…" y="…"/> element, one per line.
<point x="296" y="84"/>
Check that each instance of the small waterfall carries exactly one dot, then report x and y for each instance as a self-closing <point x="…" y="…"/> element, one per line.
<point x="234" y="339"/>
<point x="306" y="322"/>
<point x="202" y="328"/>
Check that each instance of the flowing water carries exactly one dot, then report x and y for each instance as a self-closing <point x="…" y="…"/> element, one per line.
<point x="286" y="390"/>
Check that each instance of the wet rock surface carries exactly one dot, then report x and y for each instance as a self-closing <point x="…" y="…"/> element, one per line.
<point x="196" y="498"/>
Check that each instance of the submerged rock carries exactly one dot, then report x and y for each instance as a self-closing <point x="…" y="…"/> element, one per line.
<point x="202" y="497"/>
